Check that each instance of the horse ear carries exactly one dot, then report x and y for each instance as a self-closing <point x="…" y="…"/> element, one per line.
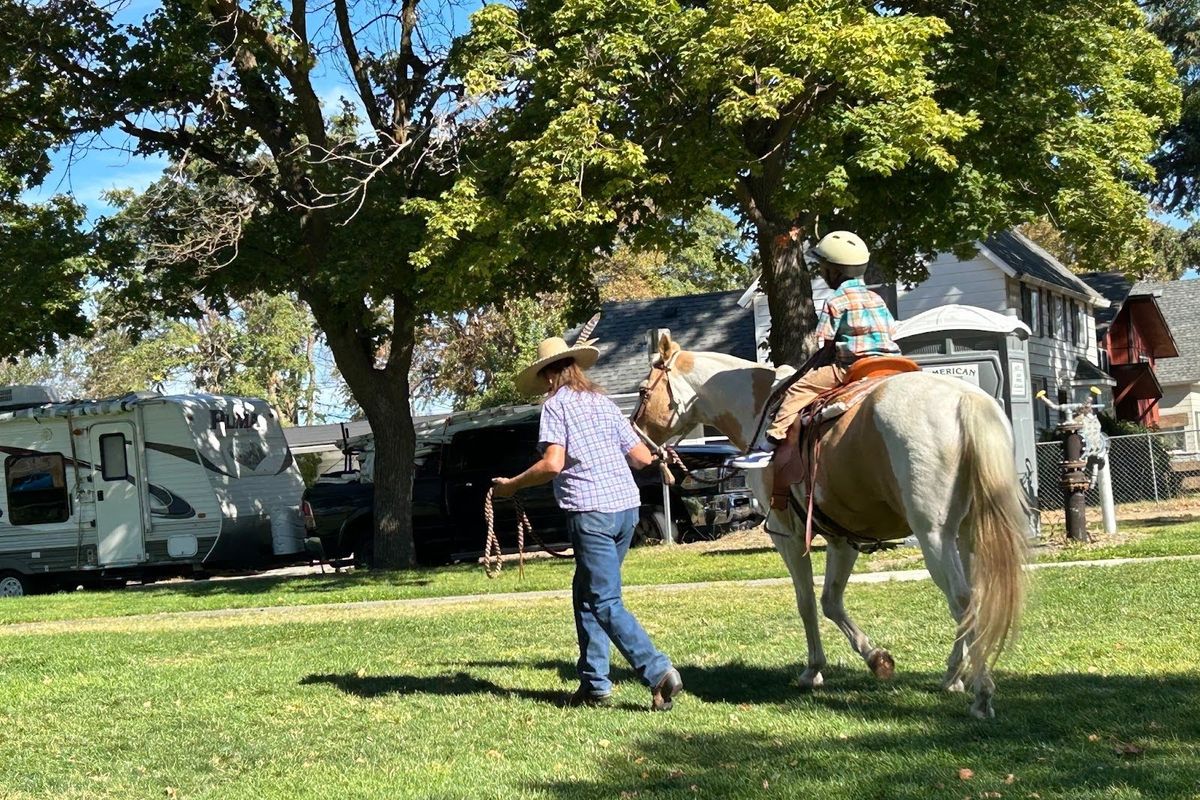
<point x="665" y="345"/>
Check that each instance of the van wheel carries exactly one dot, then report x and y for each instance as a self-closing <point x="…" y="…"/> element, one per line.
<point x="14" y="584"/>
<point x="652" y="528"/>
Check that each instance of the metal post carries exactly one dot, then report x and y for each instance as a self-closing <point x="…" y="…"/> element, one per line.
<point x="668" y="528"/>
<point x="1107" y="507"/>
<point x="1074" y="482"/>
<point x="1153" y="469"/>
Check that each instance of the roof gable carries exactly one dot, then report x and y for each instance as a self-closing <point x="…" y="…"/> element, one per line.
<point x="1179" y="302"/>
<point x="1028" y="260"/>
<point x="702" y="322"/>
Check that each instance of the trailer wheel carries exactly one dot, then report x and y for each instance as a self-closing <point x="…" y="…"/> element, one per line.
<point x="14" y="584"/>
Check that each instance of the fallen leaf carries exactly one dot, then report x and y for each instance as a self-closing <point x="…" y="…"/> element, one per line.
<point x="495" y="754"/>
<point x="1009" y="778"/>
<point x="640" y="760"/>
<point x="694" y="788"/>
<point x="646" y="776"/>
<point x="1153" y="725"/>
<point x="1093" y="737"/>
<point x="1128" y="750"/>
<point x="990" y="795"/>
<point x="361" y="673"/>
<point x="146" y="704"/>
<point x="1092" y="670"/>
<point x="604" y="742"/>
<point x="171" y="791"/>
<point x="675" y="773"/>
<point x="965" y="774"/>
<point x="766" y="784"/>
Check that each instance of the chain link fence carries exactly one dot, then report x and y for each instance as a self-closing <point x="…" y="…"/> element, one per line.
<point x="1151" y="470"/>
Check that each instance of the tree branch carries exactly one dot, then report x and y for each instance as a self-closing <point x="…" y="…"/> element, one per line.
<point x="363" y="81"/>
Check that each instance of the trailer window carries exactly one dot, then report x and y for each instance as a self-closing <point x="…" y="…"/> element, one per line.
<point x="113" y="464"/>
<point x="36" y="485"/>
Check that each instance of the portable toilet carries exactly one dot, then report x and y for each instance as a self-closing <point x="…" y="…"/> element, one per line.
<point x="986" y="349"/>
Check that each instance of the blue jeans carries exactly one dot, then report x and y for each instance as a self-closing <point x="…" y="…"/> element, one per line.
<point x="601" y="540"/>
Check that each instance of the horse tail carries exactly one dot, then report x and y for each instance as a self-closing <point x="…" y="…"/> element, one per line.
<point x="998" y="522"/>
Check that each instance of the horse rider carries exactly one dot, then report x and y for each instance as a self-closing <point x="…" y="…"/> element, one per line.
<point x="587" y="448"/>
<point x="854" y="323"/>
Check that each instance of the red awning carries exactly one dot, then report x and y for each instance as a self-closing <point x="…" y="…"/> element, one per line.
<point x="1136" y="382"/>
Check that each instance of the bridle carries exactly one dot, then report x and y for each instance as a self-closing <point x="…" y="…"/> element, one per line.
<point x="660" y="371"/>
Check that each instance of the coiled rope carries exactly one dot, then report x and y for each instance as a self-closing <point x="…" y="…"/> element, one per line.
<point x="492" y="563"/>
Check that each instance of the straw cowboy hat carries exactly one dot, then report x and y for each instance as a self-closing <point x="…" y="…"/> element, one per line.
<point x="550" y="350"/>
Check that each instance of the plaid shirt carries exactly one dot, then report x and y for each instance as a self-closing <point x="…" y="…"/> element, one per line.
<point x="858" y="322"/>
<point x="596" y="437"/>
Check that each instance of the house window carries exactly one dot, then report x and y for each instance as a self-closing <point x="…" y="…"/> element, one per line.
<point x="1029" y="309"/>
<point x="1081" y="328"/>
<point x="1047" y="315"/>
<point x="37" y="489"/>
<point x="1060" y="318"/>
<point x="1069" y="319"/>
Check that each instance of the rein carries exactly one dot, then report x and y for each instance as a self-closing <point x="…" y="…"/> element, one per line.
<point x="492" y="563"/>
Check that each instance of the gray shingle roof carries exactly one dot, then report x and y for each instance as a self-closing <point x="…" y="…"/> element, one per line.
<point x="1114" y="288"/>
<point x="711" y="321"/>
<point x="1180" y="305"/>
<point x="1028" y="259"/>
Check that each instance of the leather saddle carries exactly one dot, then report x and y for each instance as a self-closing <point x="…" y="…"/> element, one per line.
<point x="796" y="458"/>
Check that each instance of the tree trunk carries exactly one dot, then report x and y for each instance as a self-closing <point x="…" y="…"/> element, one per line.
<point x="383" y="394"/>
<point x="786" y="281"/>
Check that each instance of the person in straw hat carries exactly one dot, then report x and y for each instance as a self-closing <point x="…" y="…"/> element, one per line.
<point x="587" y="449"/>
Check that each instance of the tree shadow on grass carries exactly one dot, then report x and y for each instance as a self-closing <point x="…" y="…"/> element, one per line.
<point x="1061" y="735"/>
<point x="458" y="683"/>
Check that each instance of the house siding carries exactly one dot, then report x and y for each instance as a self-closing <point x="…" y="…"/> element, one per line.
<point x="1179" y="409"/>
<point x="974" y="282"/>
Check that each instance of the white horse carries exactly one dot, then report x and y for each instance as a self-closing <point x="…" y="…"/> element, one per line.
<point x="921" y="454"/>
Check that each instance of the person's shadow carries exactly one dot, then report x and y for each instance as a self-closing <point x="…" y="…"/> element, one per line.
<point x="456" y="683"/>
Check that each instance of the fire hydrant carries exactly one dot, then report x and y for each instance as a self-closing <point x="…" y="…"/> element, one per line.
<point x="1074" y="479"/>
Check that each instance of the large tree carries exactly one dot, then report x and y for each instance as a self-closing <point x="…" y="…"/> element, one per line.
<point x="1177" y="23"/>
<point x="923" y="125"/>
<point x="272" y="188"/>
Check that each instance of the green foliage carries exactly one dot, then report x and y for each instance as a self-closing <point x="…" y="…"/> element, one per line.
<point x="1171" y="251"/>
<point x="1177" y="24"/>
<point x="472" y="357"/>
<point x="45" y="261"/>
<point x="922" y="125"/>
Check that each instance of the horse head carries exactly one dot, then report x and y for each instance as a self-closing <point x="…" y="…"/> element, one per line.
<point x="668" y="400"/>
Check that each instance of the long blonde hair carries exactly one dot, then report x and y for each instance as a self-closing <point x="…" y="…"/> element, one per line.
<point x="565" y="372"/>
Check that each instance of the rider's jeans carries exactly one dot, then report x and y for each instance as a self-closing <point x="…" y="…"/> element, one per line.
<point x="800" y="394"/>
<point x="601" y="540"/>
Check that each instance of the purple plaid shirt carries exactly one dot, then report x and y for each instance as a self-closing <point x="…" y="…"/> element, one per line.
<point x="596" y="437"/>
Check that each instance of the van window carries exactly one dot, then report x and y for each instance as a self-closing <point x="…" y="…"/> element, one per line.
<point x="113" y="464"/>
<point x="36" y="485"/>
<point x="504" y="450"/>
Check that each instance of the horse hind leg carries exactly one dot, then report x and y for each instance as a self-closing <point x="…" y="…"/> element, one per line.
<point x="839" y="563"/>
<point x="940" y="546"/>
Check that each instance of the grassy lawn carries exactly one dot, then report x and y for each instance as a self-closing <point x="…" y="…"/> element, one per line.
<point x="1096" y="700"/>
<point x="645" y="566"/>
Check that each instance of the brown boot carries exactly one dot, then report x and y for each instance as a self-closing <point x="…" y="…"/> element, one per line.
<point x="665" y="691"/>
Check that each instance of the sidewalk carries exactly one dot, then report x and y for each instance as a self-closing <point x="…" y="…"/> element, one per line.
<point x="271" y="614"/>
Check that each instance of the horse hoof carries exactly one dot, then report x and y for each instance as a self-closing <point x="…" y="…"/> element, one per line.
<point x="953" y="686"/>
<point x="882" y="665"/>
<point x="809" y="680"/>
<point x="982" y="709"/>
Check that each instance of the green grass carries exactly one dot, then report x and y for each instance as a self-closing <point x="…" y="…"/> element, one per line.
<point x="461" y="702"/>
<point x="644" y="566"/>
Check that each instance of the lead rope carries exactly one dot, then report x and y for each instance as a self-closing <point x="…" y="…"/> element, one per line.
<point x="492" y="563"/>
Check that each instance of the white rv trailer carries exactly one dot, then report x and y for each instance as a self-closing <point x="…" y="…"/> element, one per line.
<point x="141" y="485"/>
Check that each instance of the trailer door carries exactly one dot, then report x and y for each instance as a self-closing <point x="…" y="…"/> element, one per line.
<point x="118" y="490"/>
